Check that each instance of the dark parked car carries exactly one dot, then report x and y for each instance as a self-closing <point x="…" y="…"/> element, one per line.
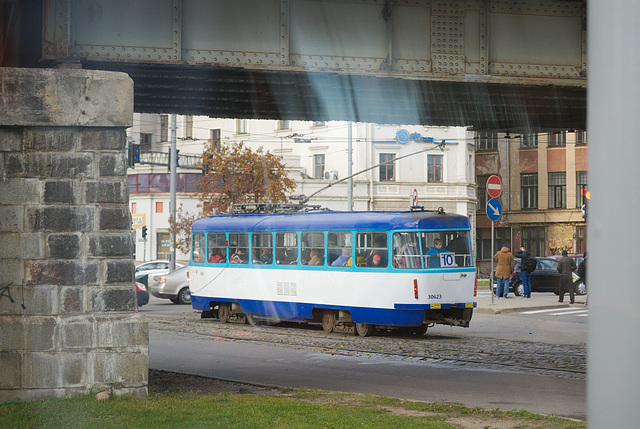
<point x="142" y="294"/>
<point x="544" y="279"/>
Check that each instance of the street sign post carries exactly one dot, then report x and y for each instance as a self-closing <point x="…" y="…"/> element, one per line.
<point x="494" y="211"/>
<point x="494" y="186"/>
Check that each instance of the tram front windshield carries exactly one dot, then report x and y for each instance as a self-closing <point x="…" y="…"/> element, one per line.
<point x="431" y="249"/>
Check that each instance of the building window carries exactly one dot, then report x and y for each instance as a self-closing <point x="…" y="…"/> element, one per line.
<point x="482" y="192"/>
<point x="318" y="166"/>
<point x="533" y="240"/>
<point x="159" y="207"/>
<point x="483" y="241"/>
<point x="318" y="124"/>
<point x="581" y="182"/>
<point x="188" y="127"/>
<point x="434" y="168"/>
<point x="581" y="238"/>
<point x="134" y="207"/>
<point x="284" y="125"/>
<point x="558" y="138"/>
<point x="529" y="140"/>
<point x="241" y="126"/>
<point x="387" y="166"/>
<point x="164" y="128"/>
<point x="529" y="191"/>
<point x="488" y="140"/>
<point x="557" y="190"/>
<point x="145" y="141"/>
<point x="214" y="138"/>
<point x="581" y="137"/>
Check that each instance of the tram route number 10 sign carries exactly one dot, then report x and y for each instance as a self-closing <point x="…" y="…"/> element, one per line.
<point x="447" y="259"/>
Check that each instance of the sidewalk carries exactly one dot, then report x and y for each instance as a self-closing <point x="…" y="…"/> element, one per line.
<point x="538" y="301"/>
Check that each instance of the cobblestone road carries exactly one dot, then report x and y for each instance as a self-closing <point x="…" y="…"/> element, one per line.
<point x="568" y="361"/>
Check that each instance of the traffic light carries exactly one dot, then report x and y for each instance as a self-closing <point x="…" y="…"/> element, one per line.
<point x="206" y="164"/>
<point x="133" y="155"/>
<point x="171" y="162"/>
<point x="144" y="232"/>
<point x="586" y="196"/>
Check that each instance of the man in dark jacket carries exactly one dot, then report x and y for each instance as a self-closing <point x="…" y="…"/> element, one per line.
<point x="566" y="266"/>
<point x="582" y="269"/>
<point x="525" y="274"/>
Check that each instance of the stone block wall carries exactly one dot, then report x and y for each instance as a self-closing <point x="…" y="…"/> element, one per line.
<point x="68" y="320"/>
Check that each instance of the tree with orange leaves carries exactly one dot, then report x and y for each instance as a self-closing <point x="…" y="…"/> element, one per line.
<point x="233" y="174"/>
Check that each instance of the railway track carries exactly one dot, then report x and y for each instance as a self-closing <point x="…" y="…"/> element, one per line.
<point x="567" y="361"/>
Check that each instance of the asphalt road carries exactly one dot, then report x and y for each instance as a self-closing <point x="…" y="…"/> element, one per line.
<point x="494" y="386"/>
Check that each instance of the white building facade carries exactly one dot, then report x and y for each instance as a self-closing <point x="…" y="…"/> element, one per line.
<point x="436" y="163"/>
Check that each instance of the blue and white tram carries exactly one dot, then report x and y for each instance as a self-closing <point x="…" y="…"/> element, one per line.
<point x="369" y="270"/>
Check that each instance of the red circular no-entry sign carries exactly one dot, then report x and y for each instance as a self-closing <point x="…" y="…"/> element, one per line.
<point x="494" y="186"/>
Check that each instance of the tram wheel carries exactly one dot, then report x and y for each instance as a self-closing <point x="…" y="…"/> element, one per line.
<point x="328" y="321"/>
<point x="250" y="320"/>
<point x="419" y="330"/>
<point x="224" y="312"/>
<point x="363" y="329"/>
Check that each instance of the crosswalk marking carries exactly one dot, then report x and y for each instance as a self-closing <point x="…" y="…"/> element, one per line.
<point x="570" y="313"/>
<point x="561" y="312"/>
<point x="548" y="310"/>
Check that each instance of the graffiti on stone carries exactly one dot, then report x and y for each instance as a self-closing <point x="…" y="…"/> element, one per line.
<point x="5" y="291"/>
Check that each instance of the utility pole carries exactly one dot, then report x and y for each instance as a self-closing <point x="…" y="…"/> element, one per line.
<point x="350" y="167"/>
<point x="172" y="189"/>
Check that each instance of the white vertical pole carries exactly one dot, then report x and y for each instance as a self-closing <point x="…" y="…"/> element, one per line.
<point x="172" y="190"/>
<point x="613" y="232"/>
<point x="491" y="256"/>
<point x="350" y="167"/>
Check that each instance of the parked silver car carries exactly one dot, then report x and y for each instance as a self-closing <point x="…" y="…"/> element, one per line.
<point x="153" y="267"/>
<point x="173" y="286"/>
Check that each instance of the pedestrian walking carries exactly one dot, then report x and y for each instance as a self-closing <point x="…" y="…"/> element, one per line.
<point x="566" y="267"/>
<point x="525" y="271"/>
<point x="582" y="273"/>
<point x="503" y="271"/>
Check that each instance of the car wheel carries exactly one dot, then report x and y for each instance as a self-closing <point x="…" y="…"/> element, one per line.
<point x="184" y="297"/>
<point x="175" y="300"/>
<point x="518" y="289"/>
<point x="580" y="287"/>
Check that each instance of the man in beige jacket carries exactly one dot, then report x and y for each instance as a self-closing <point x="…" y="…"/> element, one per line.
<point x="503" y="271"/>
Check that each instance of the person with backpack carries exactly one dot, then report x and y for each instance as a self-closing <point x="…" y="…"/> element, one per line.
<point x="527" y="266"/>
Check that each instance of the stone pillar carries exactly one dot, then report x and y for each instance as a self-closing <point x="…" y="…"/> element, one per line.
<point x="68" y="320"/>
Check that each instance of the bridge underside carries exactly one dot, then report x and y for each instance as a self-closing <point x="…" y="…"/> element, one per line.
<point x="489" y="64"/>
<point x="225" y="92"/>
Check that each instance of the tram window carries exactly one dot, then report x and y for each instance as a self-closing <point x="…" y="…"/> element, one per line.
<point x="312" y="248"/>
<point x="286" y="248"/>
<point x="262" y="248"/>
<point x="217" y="247"/>
<point x="239" y="247"/>
<point x="371" y="249"/>
<point x="406" y="253"/>
<point x="455" y="243"/>
<point x="198" y="249"/>
<point x="339" y="250"/>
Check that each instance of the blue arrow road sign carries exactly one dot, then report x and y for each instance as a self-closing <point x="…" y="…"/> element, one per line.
<point x="494" y="209"/>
